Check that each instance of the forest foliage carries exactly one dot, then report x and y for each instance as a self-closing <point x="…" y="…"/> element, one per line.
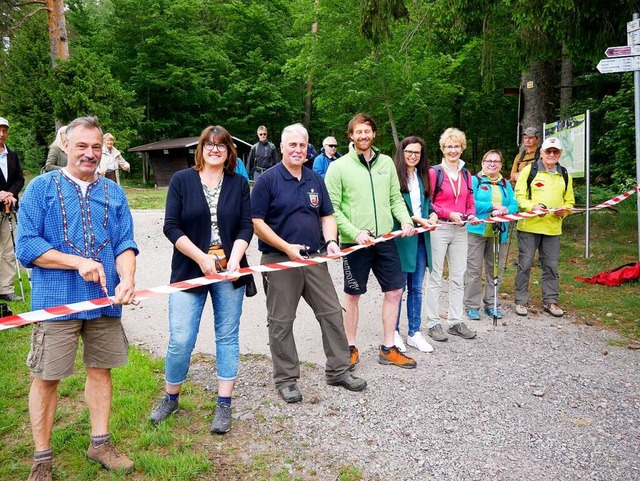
<point x="157" y="69"/>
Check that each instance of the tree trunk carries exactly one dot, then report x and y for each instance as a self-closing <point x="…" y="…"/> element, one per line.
<point x="539" y="101"/>
<point x="308" y="100"/>
<point x="58" y="41"/>
<point x="566" y="83"/>
<point x="392" y="120"/>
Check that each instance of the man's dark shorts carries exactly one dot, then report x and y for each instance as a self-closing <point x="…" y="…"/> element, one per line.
<point x="54" y="345"/>
<point x="382" y="258"/>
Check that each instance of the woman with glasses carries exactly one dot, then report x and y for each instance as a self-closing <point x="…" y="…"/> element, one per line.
<point x="412" y="166"/>
<point x="493" y="195"/>
<point x="452" y="200"/>
<point x="208" y="220"/>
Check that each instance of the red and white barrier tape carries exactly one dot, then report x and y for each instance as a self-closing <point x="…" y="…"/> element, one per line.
<point x="17" y="320"/>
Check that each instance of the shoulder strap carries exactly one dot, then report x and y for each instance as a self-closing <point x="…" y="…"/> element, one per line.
<point x="532" y="173"/>
<point x="439" y="178"/>
<point x="467" y="178"/>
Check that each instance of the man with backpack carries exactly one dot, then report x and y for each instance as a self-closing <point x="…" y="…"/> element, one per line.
<point x="545" y="184"/>
<point x="529" y="153"/>
<point x="262" y="156"/>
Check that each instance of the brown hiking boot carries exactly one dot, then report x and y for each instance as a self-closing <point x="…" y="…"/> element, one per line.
<point x="109" y="457"/>
<point x="41" y="471"/>
<point x="354" y="357"/>
<point x="395" y="357"/>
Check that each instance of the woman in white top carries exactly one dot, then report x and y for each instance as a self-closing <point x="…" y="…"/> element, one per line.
<point x="112" y="160"/>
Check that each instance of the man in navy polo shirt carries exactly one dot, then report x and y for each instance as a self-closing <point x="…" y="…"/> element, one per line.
<point x="292" y="214"/>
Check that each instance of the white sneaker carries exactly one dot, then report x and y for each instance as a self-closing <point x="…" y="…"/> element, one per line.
<point x="419" y="342"/>
<point x="399" y="343"/>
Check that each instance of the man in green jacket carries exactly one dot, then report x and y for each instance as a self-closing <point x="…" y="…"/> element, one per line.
<point x="549" y="189"/>
<point x="365" y="193"/>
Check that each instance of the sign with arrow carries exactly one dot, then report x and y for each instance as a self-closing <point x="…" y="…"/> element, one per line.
<point x="614" y="65"/>
<point x="622" y="51"/>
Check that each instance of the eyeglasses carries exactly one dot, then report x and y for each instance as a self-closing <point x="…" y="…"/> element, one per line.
<point x="333" y="146"/>
<point x="488" y="161"/>
<point x="209" y="146"/>
<point x="553" y="152"/>
<point x="411" y="153"/>
<point x="453" y="147"/>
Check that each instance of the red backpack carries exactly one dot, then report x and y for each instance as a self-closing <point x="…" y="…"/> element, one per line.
<point x="615" y="277"/>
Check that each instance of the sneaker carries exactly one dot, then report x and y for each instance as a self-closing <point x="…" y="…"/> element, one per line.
<point x="290" y="393"/>
<point x="395" y="357"/>
<point x="166" y="408"/>
<point x="41" y="471"/>
<point x="489" y="312"/>
<point x="437" y="334"/>
<point x="553" y="309"/>
<point x="354" y="357"/>
<point x="222" y="420"/>
<point x="350" y="382"/>
<point x="461" y="330"/>
<point x="473" y="314"/>
<point x="110" y="458"/>
<point x="399" y="343"/>
<point x="10" y="297"/>
<point x="419" y="342"/>
<point x="521" y="310"/>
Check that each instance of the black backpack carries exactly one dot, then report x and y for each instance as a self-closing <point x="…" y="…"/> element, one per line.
<point x="440" y="177"/>
<point x="534" y="171"/>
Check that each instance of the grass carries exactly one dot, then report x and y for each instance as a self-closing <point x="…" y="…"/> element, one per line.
<point x="183" y="449"/>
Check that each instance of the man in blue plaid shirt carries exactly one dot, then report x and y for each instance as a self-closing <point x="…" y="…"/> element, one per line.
<point x="75" y="231"/>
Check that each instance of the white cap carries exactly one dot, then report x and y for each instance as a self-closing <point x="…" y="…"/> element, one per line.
<point x="551" y="143"/>
<point x="4" y="121"/>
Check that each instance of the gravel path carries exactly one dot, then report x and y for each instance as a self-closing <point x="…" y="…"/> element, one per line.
<point x="538" y="399"/>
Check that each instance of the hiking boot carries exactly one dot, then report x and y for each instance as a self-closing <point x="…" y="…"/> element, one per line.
<point x="395" y="357"/>
<point x="41" y="471"/>
<point x="164" y="409"/>
<point x="350" y="382"/>
<point x="290" y="393"/>
<point x="419" y="342"/>
<point x="399" y="343"/>
<point x="110" y="458"/>
<point x="489" y="312"/>
<point x="522" y="310"/>
<point x="222" y="420"/>
<point x="461" y="330"/>
<point x="354" y="357"/>
<point x="473" y="314"/>
<point x="553" y="309"/>
<point x="437" y="334"/>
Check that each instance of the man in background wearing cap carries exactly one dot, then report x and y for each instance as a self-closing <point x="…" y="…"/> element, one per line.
<point x="11" y="182"/>
<point x="551" y="188"/>
<point x="530" y="152"/>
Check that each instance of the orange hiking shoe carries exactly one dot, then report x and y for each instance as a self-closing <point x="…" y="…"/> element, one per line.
<point x="354" y="357"/>
<point x="395" y="357"/>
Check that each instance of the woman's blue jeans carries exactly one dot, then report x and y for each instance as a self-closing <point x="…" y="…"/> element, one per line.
<point x="185" y="312"/>
<point x="413" y="286"/>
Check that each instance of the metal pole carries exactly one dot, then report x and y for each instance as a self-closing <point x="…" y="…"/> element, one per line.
<point x="636" y="94"/>
<point x="587" y="173"/>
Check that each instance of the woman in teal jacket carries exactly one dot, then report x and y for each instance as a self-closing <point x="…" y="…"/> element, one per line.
<point x="493" y="196"/>
<point x="412" y="166"/>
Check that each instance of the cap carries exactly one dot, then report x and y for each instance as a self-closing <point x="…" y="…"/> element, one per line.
<point x="551" y="143"/>
<point x="531" y="132"/>
<point x="4" y="121"/>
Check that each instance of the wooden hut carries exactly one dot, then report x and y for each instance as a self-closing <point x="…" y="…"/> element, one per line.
<point x="168" y="156"/>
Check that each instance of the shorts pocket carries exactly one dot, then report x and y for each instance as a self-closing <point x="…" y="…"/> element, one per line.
<point x="34" y="359"/>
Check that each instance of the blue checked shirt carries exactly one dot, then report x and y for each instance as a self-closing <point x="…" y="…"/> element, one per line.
<point x="53" y="214"/>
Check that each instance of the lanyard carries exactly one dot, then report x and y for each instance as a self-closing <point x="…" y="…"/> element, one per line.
<point x="455" y="188"/>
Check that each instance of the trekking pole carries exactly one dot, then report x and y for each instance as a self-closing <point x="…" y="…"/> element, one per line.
<point x="9" y="211"/>
<point x="496" y="258"/>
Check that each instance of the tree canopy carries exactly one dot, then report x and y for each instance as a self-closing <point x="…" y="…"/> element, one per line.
<point x="157" y="69"/>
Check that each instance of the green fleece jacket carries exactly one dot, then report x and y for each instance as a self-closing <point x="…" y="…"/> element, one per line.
<point x="365" y="196"/>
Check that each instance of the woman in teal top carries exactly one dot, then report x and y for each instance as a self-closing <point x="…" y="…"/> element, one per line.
<point x="412" y="166"/>
<point x="493" y="196"/>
